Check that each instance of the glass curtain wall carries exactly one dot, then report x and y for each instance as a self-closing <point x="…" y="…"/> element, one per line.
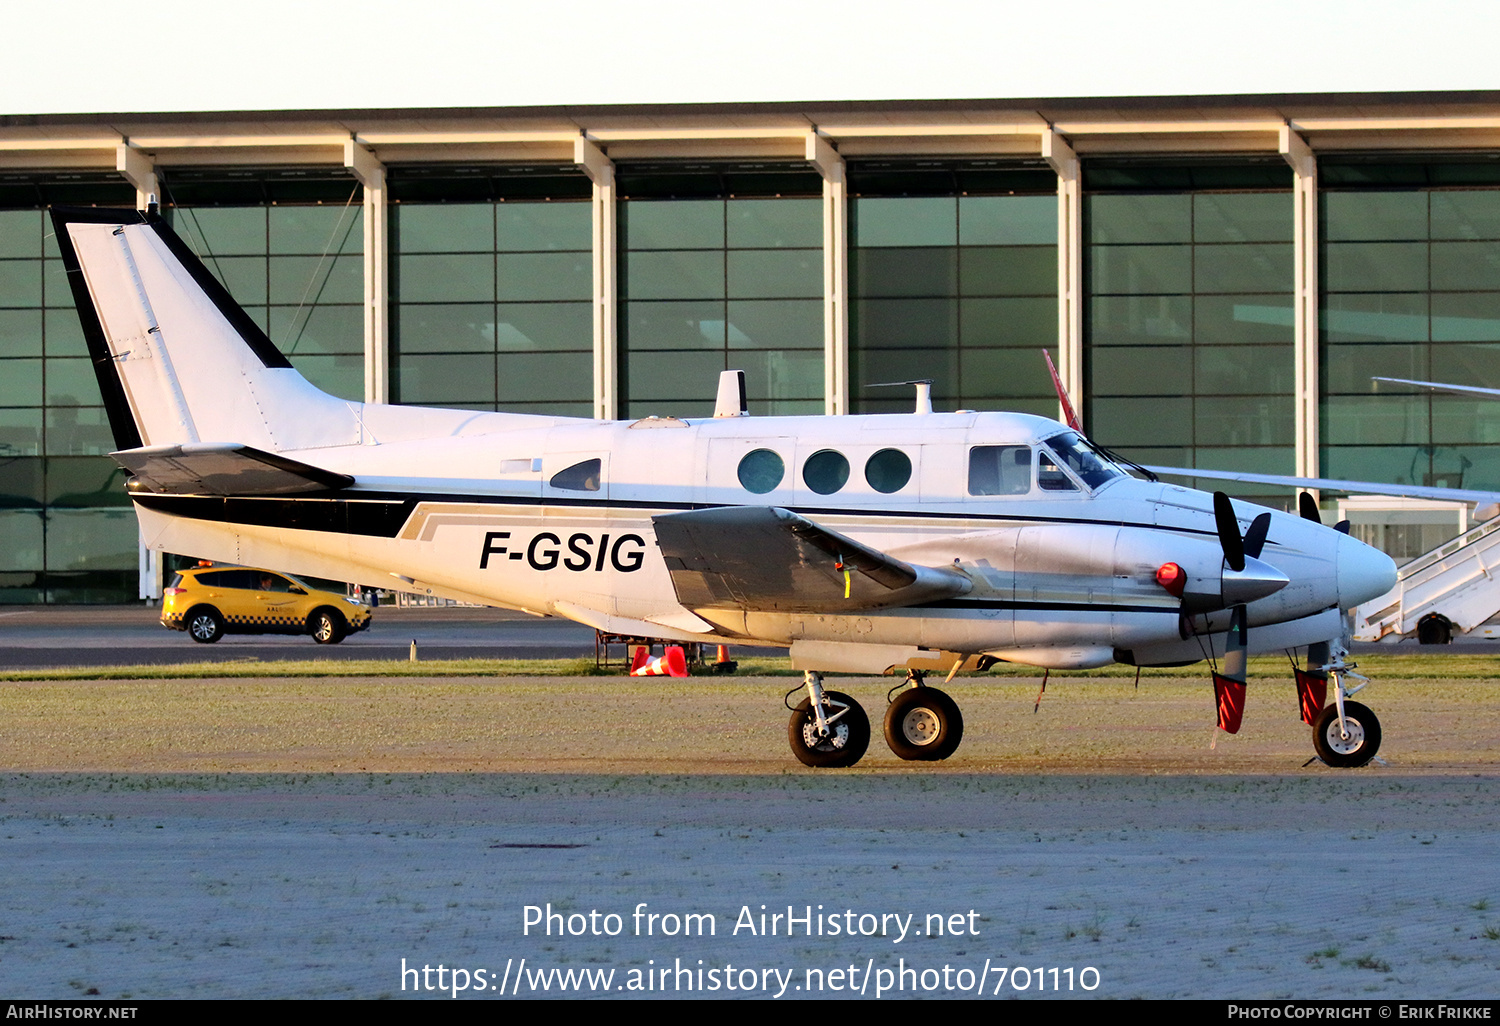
<point x="720" y="269"/>
<point x="67" y="531"/>
<point x="1188" y="354"/>
<point x="953" y="277"/>
<point x="492" y="282"/>
<point x="1410" y="289"/>
<point x="288" y="245"/>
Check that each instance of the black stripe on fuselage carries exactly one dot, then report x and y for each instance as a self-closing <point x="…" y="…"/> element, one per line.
<point x="287" y="511"/>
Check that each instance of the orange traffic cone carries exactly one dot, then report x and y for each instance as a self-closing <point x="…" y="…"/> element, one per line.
<point x="723" y="664"/>
<point x="671" y="663"/>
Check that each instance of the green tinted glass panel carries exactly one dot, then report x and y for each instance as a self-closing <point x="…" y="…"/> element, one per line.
<point x="446" y="279"/>
<point x="1257" y="420"/>
<point x="904" y="272"/>
<point x="92" y="539"/>
<point x="775" y="324"/>
<point x="1001" y="373"/>
<point x="1374" y="216"/>
<point x="1008" y="322"/>
<point x="316" y="230"/>
<point x="1373" y="420"/>
<point x="446" y="328"/>
<point x="79" y="431"/>
<point x="309" y="279"/>
<point x="1007" y="220"/>
<point x="20" y="382"/>
<point x="64" y="333"/>
<point x="769" y="273"/>
<point x="1242" y="217"/>
<point x="21" y="482"/>
<point x="1241" y="369"/>
<point x="21" y="332"/>
<point x="1255" y="267"/>
<point x="1141" y="269"/>
<point x="545" y="377"/>
<point x="1350" y="368"/>
<point x="685" y="375"/>
<point x="895" y="323"/>
<point x="445" y="227"/>
<point x="1155" y="421"/>
<point x="544" y="326"/>
<point x="1138" y="218"/>
<point x="1375" y="318"/>
<point x="320" y="329"/>
<point x="72" y="382"/>
<point x="778" y="224"/>
<point x="539" y="276"/>
<point x="1008" y="270"/>
<point x="543" y="226"/>
<point x="914" y="221"/>
<point x="21" y="233"/>
<point x="1239" y="320"/>
<point x="780" y="374"/>
<point x="675" y="275"/>
<point x="435" y="380"/>
<point x="1142" y="370"/>
<point x="23" y="540"/>
<point x="1466" y="214"/>
<point x="1375" y="267"/>
<point x="1464" y="266"/>
<point x="1140" y="320"/>
<point x="20" y="283"/>
<point x="222" y="231"/>
<point x="672" y="224"/>
<point x="20" y="431"/>
<point x="1471" y="317"/>
<point x="343" y="376"/>
<point x="86" y="482"/>
<point x="694" y="325"/>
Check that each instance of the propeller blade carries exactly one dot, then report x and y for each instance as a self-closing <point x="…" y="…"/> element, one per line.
<point x="1342" y="527"/>
<point x="1308" y="508"/>
<point x="1229" y="532"/>
<point x="1255" y="537"/>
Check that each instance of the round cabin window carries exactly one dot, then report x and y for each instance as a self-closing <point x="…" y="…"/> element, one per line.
<point x="888" y="470"/>
<point x="826" y="472"/>
<point x="761" y="471"/>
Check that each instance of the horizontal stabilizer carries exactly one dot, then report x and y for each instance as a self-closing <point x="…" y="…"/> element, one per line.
<point x="222" y="468"/>
<point x="766" y="559"/>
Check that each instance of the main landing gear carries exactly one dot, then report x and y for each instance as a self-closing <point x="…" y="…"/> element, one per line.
<point x="829" y="728"/>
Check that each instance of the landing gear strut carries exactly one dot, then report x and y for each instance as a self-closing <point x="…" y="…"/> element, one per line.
<point x="828" y="728"/>
<point x="1346" y="734"/>
<point x="923" y="724"/>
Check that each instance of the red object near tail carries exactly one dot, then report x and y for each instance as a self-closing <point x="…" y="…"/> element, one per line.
<point x="1312" y="693"/>
<point x="1230" y="696"/>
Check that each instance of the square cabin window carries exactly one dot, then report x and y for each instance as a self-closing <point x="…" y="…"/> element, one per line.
<point x="1000" y="470"/>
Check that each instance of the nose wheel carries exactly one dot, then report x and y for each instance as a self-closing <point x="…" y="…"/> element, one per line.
<point x="1353" y="743"/>
<point x="828" y="728"/>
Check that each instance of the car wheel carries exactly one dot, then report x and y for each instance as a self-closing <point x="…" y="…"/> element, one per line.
<point x="326" y="627"/>
<point x="205" y="625"/>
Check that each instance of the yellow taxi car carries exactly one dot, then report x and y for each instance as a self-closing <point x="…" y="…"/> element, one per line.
<point x="211" y="601"/>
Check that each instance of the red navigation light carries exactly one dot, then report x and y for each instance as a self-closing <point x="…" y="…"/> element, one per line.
<point x="1172" y="577"/>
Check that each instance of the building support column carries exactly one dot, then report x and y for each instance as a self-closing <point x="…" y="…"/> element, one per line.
<point x="601" y="171"/>
<point x="140" y="171"/>
<point x="1304" y="298"/>
<point x="823" y="157"/>
<point x="1057" y="152"/>
<point x="371" y="174"/>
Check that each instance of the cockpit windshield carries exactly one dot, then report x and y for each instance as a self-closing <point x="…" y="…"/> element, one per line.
<point x="1076" y="454"/>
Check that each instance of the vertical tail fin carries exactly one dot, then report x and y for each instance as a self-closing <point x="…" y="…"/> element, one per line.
<point x="178" y="360"/>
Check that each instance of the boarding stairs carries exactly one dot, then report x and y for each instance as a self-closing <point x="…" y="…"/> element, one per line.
<point x="1454" y="588"/>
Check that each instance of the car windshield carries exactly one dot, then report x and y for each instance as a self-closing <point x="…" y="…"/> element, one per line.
<point x="1075" y="454"/>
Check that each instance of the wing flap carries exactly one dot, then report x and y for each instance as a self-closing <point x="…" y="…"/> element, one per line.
<point x="222" y="468"/>
<point x="767" y="559"/>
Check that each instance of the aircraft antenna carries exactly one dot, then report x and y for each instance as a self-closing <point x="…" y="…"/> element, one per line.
<point x="924" y="391"/>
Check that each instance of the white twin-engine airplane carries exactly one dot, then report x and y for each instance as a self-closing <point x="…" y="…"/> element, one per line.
<point x="861" y="543"/>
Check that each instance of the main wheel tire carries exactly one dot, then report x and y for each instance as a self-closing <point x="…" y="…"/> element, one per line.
<point x="326" y="627"/>
<point x="843" y="747"/>
<point x="1355" y="750"/>
<point x="205" y="625"/>
<point x="923" y="724"/>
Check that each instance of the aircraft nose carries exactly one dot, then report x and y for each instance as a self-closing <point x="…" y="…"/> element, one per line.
<point x="1363" y="572"/>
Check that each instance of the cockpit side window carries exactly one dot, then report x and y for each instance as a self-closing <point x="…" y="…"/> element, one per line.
<point x="1000" y="470"/>
<point x="1050" y="478"/>
<point x="1075" y="454"/>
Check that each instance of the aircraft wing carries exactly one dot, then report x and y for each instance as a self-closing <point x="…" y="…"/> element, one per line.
<point x="1335" y="485"/>
<point x="222" y="468"/>
<point x="1437" y="386"/>
<point x="767" y="559"/>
